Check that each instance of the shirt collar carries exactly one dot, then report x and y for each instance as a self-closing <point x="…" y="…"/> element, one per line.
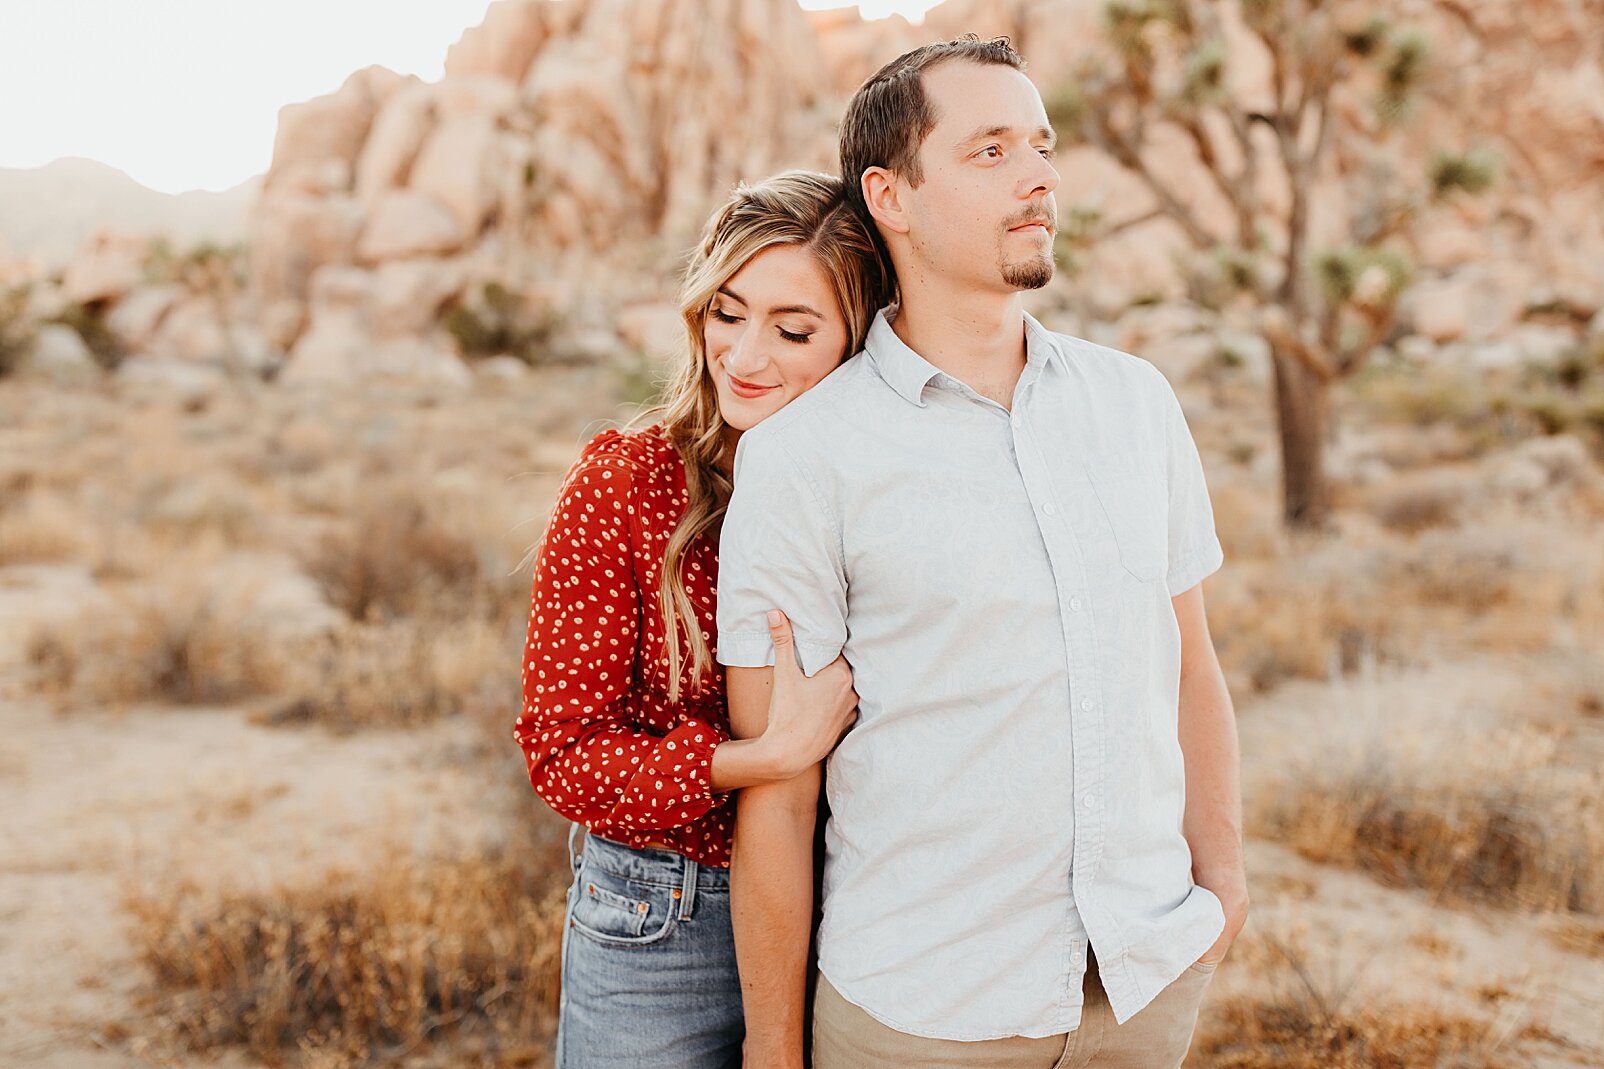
<point x="908" y="373"/>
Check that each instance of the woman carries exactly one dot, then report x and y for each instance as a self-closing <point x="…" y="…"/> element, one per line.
<point x="624" y="726"/>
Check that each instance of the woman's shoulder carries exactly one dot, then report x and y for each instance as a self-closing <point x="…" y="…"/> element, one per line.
<point x="642" y="455"/>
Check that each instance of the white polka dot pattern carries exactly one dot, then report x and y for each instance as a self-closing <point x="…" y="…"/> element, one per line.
<point x="603" y="744"/>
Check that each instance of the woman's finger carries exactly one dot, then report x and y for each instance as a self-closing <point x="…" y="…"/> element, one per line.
<point x="784" y="645"/>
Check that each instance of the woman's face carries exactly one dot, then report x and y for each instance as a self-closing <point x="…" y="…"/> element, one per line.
<point x="773" y="331"/>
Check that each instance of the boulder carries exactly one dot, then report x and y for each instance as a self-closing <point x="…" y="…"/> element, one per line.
<point x="408" y="295"/>
<point x="58" y="354"/>
<point x="134" y="319"/>
<point x="109" y="267"/>
<point x="407" y="222"/>
<point x="503" y="45"/>
<point x="397" y="135"/>
<point x="294" y="234"/>
<point x="454" y="168"/>
<point x="318" y="140"/>
<point x="193" y="329"/>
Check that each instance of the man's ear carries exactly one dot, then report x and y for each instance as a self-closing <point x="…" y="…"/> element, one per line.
<point x="882" y="195"/>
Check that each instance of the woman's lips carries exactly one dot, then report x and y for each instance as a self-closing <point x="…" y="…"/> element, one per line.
<point x="747" y="389"/>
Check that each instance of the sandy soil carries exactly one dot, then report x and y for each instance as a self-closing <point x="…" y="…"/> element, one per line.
<point x="93" y="800"/>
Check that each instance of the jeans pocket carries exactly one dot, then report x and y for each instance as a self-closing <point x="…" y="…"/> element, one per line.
<point x="617" y="910"/>
<point x="1130" y="488"/>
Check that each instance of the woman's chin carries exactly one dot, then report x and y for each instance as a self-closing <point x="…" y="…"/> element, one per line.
<point x="743" y="415"/>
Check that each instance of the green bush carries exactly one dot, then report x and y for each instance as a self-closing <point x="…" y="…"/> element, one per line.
<point x="501" y="323"/>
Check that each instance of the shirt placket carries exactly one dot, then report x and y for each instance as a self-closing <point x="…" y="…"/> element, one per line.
<point x="1088" y="738"/>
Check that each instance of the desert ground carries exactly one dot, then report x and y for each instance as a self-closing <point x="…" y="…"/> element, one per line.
<point x="263" y="807"/>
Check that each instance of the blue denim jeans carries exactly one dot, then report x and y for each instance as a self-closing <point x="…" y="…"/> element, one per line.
<point x="648" y="975"/>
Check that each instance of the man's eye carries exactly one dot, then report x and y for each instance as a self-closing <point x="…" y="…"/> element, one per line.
<point x="800" y="339"/>
<point x="1049" y="153"/>
<point x="719" y="315"/>
<point x="991" y="149"/>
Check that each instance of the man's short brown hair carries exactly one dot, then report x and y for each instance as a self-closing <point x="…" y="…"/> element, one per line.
<point x="889" y="116"/>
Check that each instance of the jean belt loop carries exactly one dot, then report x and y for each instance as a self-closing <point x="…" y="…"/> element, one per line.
<point x="687" y="890"/>
<point x="573" y="828"/>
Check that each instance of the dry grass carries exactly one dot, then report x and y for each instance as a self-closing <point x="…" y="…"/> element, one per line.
<point x="357" y="971"/>
<point x="1299" y="1016"/>
<point x="398" y="674"/>
<point x="39" y="528"/>
<point x="1320" y="608"/>
<point x="1467" y="813"/>
<point x="184" y="641"/>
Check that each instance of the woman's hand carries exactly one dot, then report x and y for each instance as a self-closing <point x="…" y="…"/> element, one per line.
<point x="807" y="714"/>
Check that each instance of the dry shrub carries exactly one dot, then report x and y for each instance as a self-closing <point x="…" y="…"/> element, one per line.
<point x="1248" y="521"/>
<point x="182" y="640"/>
<point x="1421" y="500"/>
<point x="1471" y="815"/>
<point x="180" y="508"/>
<point x="1314" y="618"/>
<point x="1304" y="1017"/>
<point x="405" y="550"/>
<point x="400" y="673"/>
<point x="361" y="970"/>
<point x="1584" y="935"/>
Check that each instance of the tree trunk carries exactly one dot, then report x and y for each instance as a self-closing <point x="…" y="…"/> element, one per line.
<point x="1303" y="410"/>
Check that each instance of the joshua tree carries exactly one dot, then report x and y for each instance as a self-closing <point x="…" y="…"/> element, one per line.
<point x="1321" y="310"/>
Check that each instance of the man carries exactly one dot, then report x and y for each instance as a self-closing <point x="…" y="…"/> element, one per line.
<point x="1033" y="855"/>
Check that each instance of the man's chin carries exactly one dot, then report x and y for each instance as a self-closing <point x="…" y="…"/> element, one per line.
<point x="1028" y="274"/>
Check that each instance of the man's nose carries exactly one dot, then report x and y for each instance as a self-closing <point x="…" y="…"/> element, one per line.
<point x="1043" y="176"/>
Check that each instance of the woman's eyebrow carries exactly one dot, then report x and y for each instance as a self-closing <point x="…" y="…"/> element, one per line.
<point x="777" y="310"/>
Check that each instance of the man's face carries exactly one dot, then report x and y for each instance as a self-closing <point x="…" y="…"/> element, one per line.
<point x="984" y="212"/>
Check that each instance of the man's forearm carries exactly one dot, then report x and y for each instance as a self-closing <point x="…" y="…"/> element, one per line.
<point x="1213" y="819"/>
<point x="771" y="906"/>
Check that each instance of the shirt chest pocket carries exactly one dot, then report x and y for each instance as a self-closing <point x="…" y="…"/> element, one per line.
<point x="1134" y="500"/>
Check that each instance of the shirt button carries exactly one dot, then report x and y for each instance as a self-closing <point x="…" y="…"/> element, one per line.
<point x="1086" y="703"/>
<point x="1077" y="958"/>
<point x="1074" y="604"/>
<point x="1049" y="509"/>
<point x="1089" y="801"/>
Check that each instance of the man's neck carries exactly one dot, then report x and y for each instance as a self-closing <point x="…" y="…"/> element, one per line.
<point x="977" y="338"/>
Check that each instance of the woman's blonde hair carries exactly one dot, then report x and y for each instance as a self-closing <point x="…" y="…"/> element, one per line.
<point x="805" y="209"/>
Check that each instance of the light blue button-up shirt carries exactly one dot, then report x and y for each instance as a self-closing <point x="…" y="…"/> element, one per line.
<point x="1000" y="581"/>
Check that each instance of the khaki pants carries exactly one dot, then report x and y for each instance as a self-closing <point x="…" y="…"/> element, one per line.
<point x="846" y="1037"/>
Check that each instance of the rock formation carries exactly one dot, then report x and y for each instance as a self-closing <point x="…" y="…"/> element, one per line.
<point x="572" y="149"/>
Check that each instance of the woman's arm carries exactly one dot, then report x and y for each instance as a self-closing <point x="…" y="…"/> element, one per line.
<point x="771" y="883"/>
<point x="585" y="757"/>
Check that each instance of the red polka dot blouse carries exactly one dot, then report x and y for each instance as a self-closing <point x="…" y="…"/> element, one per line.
<point x="603" y="744"/>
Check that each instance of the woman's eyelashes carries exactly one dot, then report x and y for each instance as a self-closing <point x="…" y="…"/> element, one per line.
<point x="796" y="339"/>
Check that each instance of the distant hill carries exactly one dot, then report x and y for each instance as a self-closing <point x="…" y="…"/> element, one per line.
<point x="49" y="211"/>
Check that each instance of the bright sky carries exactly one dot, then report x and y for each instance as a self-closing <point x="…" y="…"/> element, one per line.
<point x="184" y="94"/>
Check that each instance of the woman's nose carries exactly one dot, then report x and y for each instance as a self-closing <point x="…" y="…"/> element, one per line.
<point x="745" y="355"/>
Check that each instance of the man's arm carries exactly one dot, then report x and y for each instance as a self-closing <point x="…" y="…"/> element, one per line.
<point x="780" y="548"/>
<point x="1213" y="820"/>
<point x="771" y="888"/>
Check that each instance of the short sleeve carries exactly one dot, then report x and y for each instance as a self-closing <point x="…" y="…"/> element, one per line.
<point x="1194" y="547"/>
<point x="780" y="548"/>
